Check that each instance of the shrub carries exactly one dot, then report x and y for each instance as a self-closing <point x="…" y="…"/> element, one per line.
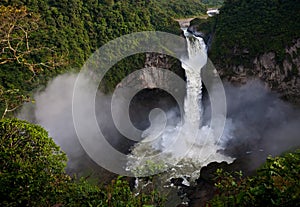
<point x="277" y="183"/>
<point x="31" y="164"/>
<point x="32" y="174"/>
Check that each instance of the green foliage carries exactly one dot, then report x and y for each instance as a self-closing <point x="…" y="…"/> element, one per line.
<point x="277" y="183"/>
<point x="181" y="9"/>
<point x="203" y="25"/>
<point x="148" y="167"/>
<point x="213" y="3"/>
<point x="32" y="174"/>
<point x="17" y="28"/>
<point x="11" y="100"/>
<point x="31" y="164"/>
<point x="119" y="194"/>
<point x="24" y="57"/>
<point x="246" y="29"/>
<point x="74" y="29"/>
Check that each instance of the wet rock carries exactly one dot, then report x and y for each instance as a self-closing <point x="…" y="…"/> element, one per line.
<point x="182" y="205"/>
<point x="207" y="173"/>
<point x="177" y="181"/>
<point x="282" y="76"/>
<point x="203" y="28"/>
<point x="200" y="194"/>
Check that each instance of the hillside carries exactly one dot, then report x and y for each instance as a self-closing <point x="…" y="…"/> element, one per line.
<point x="260" y="38"/>
<point x="63" y="34"/>
<point x="41" y="39"/>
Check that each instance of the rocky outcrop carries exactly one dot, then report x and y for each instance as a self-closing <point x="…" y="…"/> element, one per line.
<point x="184" y="22"/>
<point x="157" y="61"/>
<point x="200" y="194"/>
<point x="203" y="28"/>
<point x="281" y="76"/>
<point x="156" y="73"/>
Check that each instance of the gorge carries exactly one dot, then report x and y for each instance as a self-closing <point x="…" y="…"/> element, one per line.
<point x="185" y="115"/>
<point x="253" y="130"/>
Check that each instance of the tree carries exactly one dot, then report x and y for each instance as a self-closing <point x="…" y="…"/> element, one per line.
<point x="32" y="173"/>
<point x="17" y="27"/>
<point x="12" y="99"/>
<point x="32" y="165"/>
<point x="277" y="183"/>
<point x="19" y="52"/>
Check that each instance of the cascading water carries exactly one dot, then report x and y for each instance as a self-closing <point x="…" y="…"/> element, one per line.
<point x="195" y="144"/>
<point x="192" y="104"/>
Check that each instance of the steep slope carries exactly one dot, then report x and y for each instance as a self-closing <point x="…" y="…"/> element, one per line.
<point x="77" y="28"/>
<point x="260" y="38"/>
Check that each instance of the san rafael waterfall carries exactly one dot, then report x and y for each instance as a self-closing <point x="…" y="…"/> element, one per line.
<point x="181" y="149"/>
<point x="196" y="60"/>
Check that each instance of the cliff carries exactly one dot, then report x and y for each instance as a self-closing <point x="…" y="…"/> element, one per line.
<point x="151" y="77"/>
<point x="258" y="39"/>
<point x="283" y="77"/>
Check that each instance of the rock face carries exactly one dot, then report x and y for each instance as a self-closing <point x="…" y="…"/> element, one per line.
<point x="156" y="72"/>
<point x="283" y="76"/>
<point x="203" y="28"/>
<point x="184" y="22"/>
<point x="200" y="194"/>
<point x="157" y="61"/>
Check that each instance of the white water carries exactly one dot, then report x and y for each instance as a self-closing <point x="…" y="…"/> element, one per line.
<point x="181" y="150"/>
<point x="192" y="66"/>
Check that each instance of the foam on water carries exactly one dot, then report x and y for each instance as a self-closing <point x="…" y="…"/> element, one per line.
<point x="183" y="149"/>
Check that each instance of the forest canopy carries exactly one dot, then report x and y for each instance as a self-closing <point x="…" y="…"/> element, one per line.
<point x="53" y="37"/>
<point x="40" y="39"/>
<point x="246" y="29"/>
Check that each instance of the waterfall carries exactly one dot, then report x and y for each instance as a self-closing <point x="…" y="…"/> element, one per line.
<point x="192" y="104"/>
<point x="188" y="146"/>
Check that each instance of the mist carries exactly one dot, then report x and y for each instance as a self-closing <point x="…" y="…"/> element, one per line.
<point x="53" y="111"/>
<point x="258" y="122"/>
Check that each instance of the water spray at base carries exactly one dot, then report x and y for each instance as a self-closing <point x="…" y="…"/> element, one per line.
<point x="189" y="144"/>
<point x="257" y="122"/>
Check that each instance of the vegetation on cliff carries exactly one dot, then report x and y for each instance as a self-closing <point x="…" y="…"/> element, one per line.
<point x="213" y="3"/>
<point x="52" y="37"/>
<point x="246" y="29"/>
<point x="41" y="39"/>
<point x="182" y="9"/>
<point x="32" y="174"/>
<point x="277" y="183"/>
